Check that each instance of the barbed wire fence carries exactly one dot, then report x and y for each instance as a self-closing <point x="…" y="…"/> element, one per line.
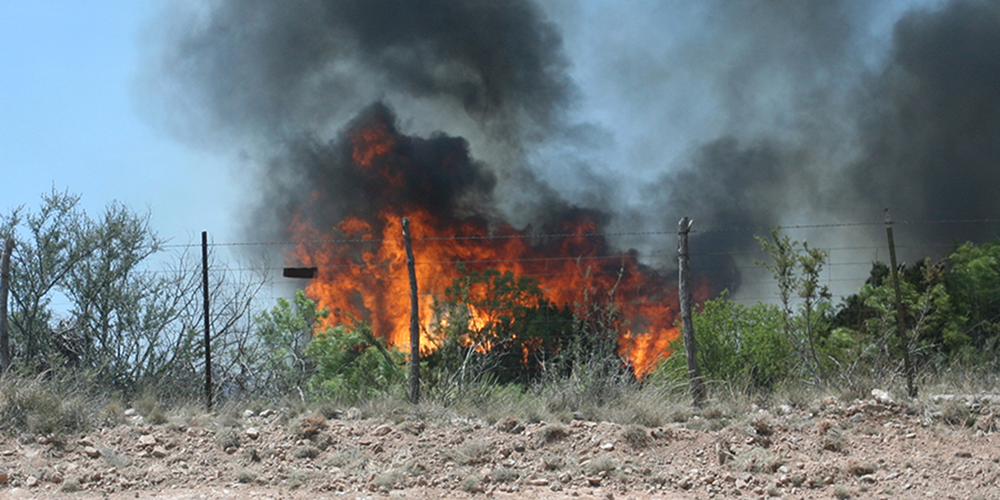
<point x="853" y="248"/>
<point x="240" y="289"/>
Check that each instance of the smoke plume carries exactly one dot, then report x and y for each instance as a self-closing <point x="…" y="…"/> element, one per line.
<point x="737" y="114"/>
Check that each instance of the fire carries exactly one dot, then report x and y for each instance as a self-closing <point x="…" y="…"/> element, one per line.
<point x="362" y="263"/>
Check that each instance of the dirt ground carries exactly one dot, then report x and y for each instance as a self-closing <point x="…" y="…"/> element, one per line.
<point x="873" y="448"/>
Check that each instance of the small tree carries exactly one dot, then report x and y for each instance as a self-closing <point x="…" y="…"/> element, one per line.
<point x="284" y="333"/>
<point x="796" y="268"/>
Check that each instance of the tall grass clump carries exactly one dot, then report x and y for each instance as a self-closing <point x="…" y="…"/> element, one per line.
<point x="40" y="406"/>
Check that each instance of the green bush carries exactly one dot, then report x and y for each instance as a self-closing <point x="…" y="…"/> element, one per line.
<point x="351" y="362"/>
<point x="736" y="343"/>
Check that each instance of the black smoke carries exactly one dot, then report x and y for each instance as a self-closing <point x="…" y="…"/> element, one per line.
<point x="931" y="147"/>
<point x="276" y="79"/>
<point x="918" y="132"/>
<point x="789" y="112"/>
<point x="273" y="69"/>
<point x="436" y="175"/>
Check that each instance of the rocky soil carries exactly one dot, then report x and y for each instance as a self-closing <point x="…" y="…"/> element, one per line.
<point x="872" y="448"/>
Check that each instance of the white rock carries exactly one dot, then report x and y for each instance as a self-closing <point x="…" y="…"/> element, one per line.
<point x="608" y="447"/>
<point x="253" y="432"/>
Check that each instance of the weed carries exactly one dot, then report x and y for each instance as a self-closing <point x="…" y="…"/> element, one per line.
<point x="824" y="425"/>
<point x="504" y="475"/>
<point x="70" y="486"/>
<point x="305" y="452"/>
<point x="309" y="425"/>
<point x="297" y="478"/>
<point x="150" y="408"/>
<point x="757" y="460"/>
<point x="551" y="433"/>
<point x="841" y="492"/>
<point x="833" y="440"/>
<point x="115" y="459"/>
<point x="551" y="461"/>
<point x="956" y="412"/>
<point x="860" y="468"/>
<point x="349" y="459"/>
<point x="636" y="436"/>
<point x="472" y="483"/>
<point x="601" y="463"/>
<point x="761" y="424"/>
<point x="389" y="479"/>
<point x="471" y="452"/>
<point x="114" y="414"/>
<point x="246" y="476"/>
<point x="227" y="438"/>
<point x="40" y="407"/>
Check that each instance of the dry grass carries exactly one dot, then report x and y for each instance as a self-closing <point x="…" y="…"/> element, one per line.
<point x="389" y="479"/>
<point x="551" y="433"/>
<point x="349" y="459"/>
<point x="309" y="425"/>
<point x="636" y="436"/>
<point x="757" y="460"/>
<point x="599" y="464"/>
<point x="40" y="406"/>
<point x="471" y="452"/>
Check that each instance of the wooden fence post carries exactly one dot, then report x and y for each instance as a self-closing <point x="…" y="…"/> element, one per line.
<point x="208" y="336"/>
<point x="414" y="372"/>
<point x="8" y="247"/>
<point x="904" y="342"/>
<point x="684" y="292"/>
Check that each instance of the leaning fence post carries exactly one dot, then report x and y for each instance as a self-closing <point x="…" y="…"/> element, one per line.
<point x="414" y="317"/>
<point x="684" y="293"/>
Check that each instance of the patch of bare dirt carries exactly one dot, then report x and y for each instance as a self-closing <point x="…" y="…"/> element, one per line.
<point x="862" y="449"/>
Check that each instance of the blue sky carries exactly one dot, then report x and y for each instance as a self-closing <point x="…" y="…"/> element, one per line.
<point x="68" y="119"/>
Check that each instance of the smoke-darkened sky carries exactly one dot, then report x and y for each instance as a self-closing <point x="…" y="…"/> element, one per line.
<point x="737" y="114"/>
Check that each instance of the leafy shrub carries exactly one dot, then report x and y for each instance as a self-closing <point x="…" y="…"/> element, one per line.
<point x="494" y="327"/>
<point x="736" y="343"/>
<point x="352" y="363"/>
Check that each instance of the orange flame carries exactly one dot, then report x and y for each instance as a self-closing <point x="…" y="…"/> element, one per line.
<point x="366" y="276"/>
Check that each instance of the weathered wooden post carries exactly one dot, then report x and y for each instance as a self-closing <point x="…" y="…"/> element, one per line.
<point x="8" y="247"/>
<point x="904" y="342"/>
<point x="684" y="292"/>
<point x="414" y="371"/>
<point x="208" y="335"/>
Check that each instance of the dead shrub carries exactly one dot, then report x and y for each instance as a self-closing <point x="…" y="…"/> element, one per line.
<point x="636" y="436"/>
<point x="551" y="433"/>
<point x="309" y="425"/>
